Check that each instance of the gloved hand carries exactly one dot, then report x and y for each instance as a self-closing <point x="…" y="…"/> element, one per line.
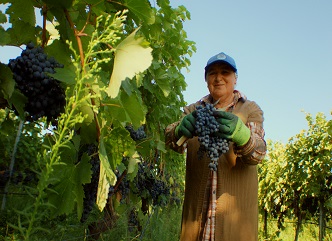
<point x="186" y="126"/>
<point x="232" y="128"/>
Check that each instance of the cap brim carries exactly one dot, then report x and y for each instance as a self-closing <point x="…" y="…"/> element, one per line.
<point x="220" y="61"/>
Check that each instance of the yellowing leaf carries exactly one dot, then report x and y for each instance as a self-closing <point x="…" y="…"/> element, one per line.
<point x="103" y="188"/>
<point x="132" y="56"/>
<point x="133" y="162"/>
<point x="106" y="177"/>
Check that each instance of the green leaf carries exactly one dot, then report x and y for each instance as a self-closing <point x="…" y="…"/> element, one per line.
<point x="22" y="11"/>
<point x="132" y="56"/>
<point x="88" y="129"/>
<point x="134" y="109"/>
<point x="329" y="130"/>
<point x="4" y="37"/>
<point x="142" y="9"/>
<point x="18" y="101"/>
<point x="119" y="143"/>
<point x="81" y="176"/>
<point x="7" y="83"/>
<point x="16" y="36"/>
<point x="64" y="197"/>
<point x="3" y="18"/>
<point x="70" y="190"/>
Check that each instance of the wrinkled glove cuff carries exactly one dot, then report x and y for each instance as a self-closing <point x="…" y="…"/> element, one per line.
<point x="241" y="134"/>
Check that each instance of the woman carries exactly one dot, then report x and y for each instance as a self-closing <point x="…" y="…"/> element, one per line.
<point x="221" y="205"/>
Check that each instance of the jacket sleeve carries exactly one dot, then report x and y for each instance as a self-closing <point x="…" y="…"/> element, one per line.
<point x="254" y="151"/>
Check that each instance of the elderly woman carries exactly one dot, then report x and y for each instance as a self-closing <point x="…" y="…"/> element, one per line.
<point x="221" y="204"/>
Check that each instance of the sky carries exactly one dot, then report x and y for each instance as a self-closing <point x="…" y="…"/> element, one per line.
<point x="282" y="49"/>
<point x="283" y="53"/>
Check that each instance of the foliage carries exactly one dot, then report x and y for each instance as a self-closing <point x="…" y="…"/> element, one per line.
<point x="296" y="178"/>
<point x="122" y="66"/>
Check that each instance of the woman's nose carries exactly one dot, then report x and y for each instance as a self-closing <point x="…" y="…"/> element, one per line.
<point x="219" y="77"/>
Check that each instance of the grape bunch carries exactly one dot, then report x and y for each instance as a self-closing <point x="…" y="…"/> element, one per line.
<point x="149" y="185"/>
<point x="123" y="186"/>
<point x="138" y="134"/>
<point x="90" y="189"/>
<point x="206" y="126"/>
<point x="45" y="96"/>
<point x="133" y="221"/>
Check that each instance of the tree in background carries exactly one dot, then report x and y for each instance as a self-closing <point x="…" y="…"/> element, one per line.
<point x="295" y="181"/>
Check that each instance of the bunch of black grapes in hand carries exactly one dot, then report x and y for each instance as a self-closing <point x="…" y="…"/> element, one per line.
<point x="45" y="96"/>
<point x="206" y="128"/>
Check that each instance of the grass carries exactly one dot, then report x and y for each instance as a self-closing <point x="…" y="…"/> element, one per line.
<point x="309" y="232"/>
<point x="160" y="224"/>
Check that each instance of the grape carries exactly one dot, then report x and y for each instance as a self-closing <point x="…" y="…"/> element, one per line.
<point x="133" y="222"/>
<point x="149" y="185"/>
<point x="90" y="189"/>
<point x="45" y="96"/>
<point x="206" y="126"/>
<point x="123" y="186"/>
<point x="137" y="135"/>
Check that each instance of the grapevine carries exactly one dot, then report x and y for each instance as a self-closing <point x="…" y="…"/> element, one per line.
<point x="206" y="127"/>
<point x="45" y="96"/>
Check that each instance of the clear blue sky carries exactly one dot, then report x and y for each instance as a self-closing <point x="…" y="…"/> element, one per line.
<point x="283" y="51"/>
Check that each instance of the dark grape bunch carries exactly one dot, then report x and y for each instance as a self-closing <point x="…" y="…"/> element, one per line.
<point x="206" y="126"/>
<point x="122" y="186"/>
<point x="133" y="221"/>
<point x="90" y="189"/>
<point x="45" y="95"/>
<point x="138" y="134"/>
<point x="147" y="183"/>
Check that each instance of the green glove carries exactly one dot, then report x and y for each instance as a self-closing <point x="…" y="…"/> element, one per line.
<point x="232" y="128"/>
<point x="186" y="126"/>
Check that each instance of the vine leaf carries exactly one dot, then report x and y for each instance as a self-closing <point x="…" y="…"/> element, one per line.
<point x="103" y="188"/>
<point x="22" y="17"/>
<point x="132" y="56"/>
<point x="18" y="100"/>
<point x="142" y="9"/>
<point x="7" y="83"/>
<point x="106" y="176"/>
<point x="22" y="11"/>
<point x="134" y="109"/>
<point x="70" y="188"/>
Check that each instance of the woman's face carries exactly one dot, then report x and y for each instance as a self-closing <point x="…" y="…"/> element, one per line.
<point x="221" y="80"/>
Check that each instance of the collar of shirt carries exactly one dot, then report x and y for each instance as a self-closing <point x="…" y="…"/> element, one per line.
<point x="238" y="96"/>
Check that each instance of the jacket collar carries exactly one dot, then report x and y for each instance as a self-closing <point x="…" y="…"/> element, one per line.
<point x="238" y="96"/>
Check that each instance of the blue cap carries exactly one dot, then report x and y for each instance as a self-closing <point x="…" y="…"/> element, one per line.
<point x="221" y="57"/>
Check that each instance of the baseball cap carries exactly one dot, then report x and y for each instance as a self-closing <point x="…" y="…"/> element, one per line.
<point x="221" y="57"/>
